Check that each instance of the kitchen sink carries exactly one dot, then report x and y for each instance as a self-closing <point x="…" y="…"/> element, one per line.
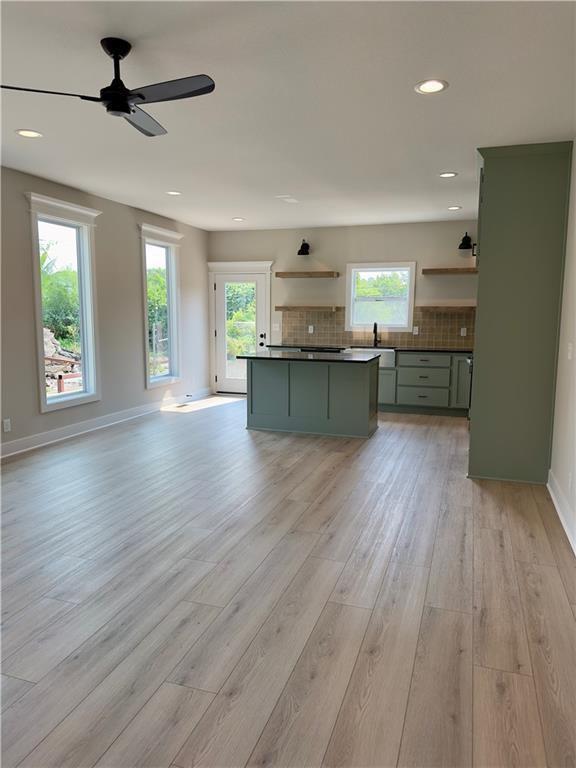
<point x="387" y="356"/>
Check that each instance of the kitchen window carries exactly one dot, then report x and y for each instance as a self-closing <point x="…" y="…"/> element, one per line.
<point x="160" y="305"/>
<point x="65" y="302"/>
<point x="380" y="293"/>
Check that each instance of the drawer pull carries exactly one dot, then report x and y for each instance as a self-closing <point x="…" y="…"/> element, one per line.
<point x="423" y="397"/>
<point x="423" y="377"/>
<point x="424" y="360"/>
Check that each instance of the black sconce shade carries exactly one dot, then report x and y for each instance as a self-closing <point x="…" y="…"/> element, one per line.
<point x="466" y="243"/>
<point x="304" y="249"/>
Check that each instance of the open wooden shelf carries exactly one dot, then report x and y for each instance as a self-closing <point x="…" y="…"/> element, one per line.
<point x="447" y="309"/>
<point x="450" y="271"/>
<point x="312" y="273"/>
<point x="307" y="308"/>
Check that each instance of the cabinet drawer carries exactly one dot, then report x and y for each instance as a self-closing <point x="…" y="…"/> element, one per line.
<point x="424" y="377"/>
<point x="425" y="396"/>
<point x="426" y="359"/>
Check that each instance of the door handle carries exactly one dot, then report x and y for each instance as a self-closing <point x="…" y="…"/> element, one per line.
<point x="262" y="335"/>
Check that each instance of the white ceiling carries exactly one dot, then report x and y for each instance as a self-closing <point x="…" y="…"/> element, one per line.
<point x="312" y="99"/>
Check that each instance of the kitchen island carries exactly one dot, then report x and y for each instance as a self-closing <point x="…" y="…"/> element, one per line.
<point x="324" y="393"/>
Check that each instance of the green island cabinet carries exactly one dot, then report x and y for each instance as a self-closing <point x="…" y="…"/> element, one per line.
<point x="434" y="381"/>
<point x="522" y="225"/>
<point x="313" y="396"/>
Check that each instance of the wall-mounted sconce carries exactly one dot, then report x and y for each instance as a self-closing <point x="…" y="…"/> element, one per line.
<point x="466" y="244"/>
<point x="304" y="249"/>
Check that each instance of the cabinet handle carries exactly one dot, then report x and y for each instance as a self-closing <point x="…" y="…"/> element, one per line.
<point x="423" y="397"/>
<point x="424" y="360"/>
<point x="423" y="377"/>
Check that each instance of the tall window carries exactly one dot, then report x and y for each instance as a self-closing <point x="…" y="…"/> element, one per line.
<point x="380" y="293"/>
<point x="65" y="302"/>
<point x="161" y="297"/>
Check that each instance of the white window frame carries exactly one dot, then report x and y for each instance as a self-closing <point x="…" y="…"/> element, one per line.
<point x="168" y="239"/>
<point x="61" y="212"/>
<point x="379" y="265"/>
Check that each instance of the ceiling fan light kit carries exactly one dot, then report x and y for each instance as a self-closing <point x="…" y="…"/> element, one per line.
<point x="120" y="101"/>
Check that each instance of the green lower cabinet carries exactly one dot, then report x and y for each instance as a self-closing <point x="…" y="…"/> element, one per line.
<point x="387" y="386"/>
<point x="461" y="380"/>
<point x="427" y="380"/>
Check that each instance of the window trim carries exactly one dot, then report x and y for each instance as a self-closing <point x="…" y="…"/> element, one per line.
<point x="171" y="241"/>
<point x="83" y="219"/>
<point x="352" y="267"/>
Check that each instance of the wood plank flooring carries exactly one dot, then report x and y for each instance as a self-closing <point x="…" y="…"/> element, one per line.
<point x="180" y="592"/>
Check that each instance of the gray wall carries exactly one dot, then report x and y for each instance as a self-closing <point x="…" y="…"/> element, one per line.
<point x="563" y="470"/>
<point x="429" y="244"/>
<point x="118" y="275"/>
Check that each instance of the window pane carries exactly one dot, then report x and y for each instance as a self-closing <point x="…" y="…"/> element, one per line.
<point x="158" y="310"/>
<point x="61" y="309"/>
<point x="240" y="326"/>
<point x="381" y="296"/>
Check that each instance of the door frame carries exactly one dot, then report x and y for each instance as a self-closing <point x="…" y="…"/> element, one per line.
<point x="239" y="268"/>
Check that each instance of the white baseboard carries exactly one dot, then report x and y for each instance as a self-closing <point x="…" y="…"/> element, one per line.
<point x="565" y="513"/>
<point x="12" y="447"/>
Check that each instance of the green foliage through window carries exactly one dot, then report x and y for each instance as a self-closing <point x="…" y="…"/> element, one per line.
<point x="381" y="296"/>
<point x="60" y="300"/>
<point x="240" y="319"/>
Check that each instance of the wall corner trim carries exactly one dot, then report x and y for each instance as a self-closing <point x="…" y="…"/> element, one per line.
<point x="562" y="506"/>
<point x="24" y="444"/>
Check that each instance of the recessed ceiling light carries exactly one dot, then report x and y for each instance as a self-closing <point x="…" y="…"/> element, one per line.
<point x="282" y="197"/>
<point x="28" y="133"/>
<point x="173" y="193"/>
<point x="238" y="218"/>
<point x="426" y="87"/>
<point x="454" y="207"/>
<point x="448" y="174"/>
<point x="289" y="200"/>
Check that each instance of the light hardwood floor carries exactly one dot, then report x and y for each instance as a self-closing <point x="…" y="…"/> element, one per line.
<point x="178" y="591"/>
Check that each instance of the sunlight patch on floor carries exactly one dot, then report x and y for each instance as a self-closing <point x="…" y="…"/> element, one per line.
<point x="200" y="405"/>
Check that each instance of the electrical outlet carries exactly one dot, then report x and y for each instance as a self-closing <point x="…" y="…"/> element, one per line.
<point x="7" y="425"/>
<point x="570" y="350"/>
<point x="415" y="330"/>
<point x="310" y="329"/>
<point x="463" y="331"/>
<point x="275" y="326"/>
<point x="570" y="479"/>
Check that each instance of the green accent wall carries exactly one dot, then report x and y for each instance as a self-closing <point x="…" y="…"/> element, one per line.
<point x="523" y="218"/>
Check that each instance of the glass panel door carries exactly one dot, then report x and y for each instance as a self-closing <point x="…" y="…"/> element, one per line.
<point x="240" y="327"/>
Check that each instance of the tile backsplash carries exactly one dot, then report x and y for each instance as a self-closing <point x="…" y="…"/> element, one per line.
<point x="436" y="330"/>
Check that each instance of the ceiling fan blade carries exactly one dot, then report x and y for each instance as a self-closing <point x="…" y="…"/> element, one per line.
<point x="184" y="88"/>
<point x="145" y="123"/>
<point x="55" y="93"/>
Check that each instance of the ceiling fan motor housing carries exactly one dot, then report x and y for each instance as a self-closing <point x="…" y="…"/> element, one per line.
<point x="116" y="99"/>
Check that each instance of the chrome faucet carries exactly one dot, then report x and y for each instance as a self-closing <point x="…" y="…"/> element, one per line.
<point x="375" y="332"/>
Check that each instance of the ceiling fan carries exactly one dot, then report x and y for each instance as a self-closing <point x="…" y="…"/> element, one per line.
<point x="123" y="102"/>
